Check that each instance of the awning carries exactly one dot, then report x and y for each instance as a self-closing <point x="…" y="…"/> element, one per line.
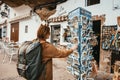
<point x="58" y="19"/>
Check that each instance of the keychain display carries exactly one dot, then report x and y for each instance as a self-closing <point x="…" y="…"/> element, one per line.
<point x="108" y="36"/>
<point x="116" y="41"/>
<point x="80" y="26"/>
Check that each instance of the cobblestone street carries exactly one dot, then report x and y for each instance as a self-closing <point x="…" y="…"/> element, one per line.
<point x="9" y="72"/>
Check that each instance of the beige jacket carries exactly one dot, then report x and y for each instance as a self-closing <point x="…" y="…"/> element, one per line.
<point x="49" y="52"/>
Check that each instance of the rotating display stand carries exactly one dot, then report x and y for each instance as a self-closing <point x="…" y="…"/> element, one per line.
<point x="80" y="61"/>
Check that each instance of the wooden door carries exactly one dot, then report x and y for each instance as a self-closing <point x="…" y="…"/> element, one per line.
<point x="15" y="32"/>
<point x="0" y="33"/>
<point x="118" y="21"/>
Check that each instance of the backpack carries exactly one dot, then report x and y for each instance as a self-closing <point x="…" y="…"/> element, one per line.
<point x="29" y="64"/>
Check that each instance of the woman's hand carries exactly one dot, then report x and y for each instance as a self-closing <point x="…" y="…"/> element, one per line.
<point x="74" y="47"/>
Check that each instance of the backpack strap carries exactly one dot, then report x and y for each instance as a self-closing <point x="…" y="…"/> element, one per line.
<point x="26" y="44"/>
<point x="25" y="57"/>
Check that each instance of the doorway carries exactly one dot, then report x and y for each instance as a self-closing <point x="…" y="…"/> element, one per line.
<point x="15" y="32"/>
<point x="0" y="33"/>
<point x="97" y="32"/>
<point x="115" y="56"/>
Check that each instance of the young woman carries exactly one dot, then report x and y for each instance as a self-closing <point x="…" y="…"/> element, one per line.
<point x="49" y="51"/>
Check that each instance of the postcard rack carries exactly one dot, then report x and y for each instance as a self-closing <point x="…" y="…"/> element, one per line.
<point x="80" y="62"/>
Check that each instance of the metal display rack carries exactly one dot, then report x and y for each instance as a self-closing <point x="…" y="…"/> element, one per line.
<point x="80" y="62"/>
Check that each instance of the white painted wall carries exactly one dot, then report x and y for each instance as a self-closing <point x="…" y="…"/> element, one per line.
<point x="33" y="24"/>
<point x="21" y="10"/>
<point x="8" y="30"/>
<point x="105" y="7"/>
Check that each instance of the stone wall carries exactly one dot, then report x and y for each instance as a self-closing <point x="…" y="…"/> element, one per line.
<point x="105" y="56"/>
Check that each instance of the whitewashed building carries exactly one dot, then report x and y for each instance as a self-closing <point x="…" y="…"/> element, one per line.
<point x="23" y="13"/>
<point x="21" y="23"/>
<point x="99" y="7"/>
<point x="107" y="14"/>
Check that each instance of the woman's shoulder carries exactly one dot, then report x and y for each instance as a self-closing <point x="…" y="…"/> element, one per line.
<point x="48" y="44"/>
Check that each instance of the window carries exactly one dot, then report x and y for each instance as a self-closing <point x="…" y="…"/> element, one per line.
<point x="116" y="4"/>
<point x="26" y="29"/>
<point x="55" y="34"/>
<point x="92" y="2"/>
<point x="4" y="30"/>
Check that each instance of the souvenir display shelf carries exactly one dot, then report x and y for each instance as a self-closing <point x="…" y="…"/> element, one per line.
<point x="108" y="36"/>
<point x="80" y="61"/>
<point x="55" y="34"/>
<point x="117" y="42"/>
<point x="4" y="30"/>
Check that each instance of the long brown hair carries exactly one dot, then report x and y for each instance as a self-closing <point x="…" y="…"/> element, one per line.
<point x="43" y="31"/>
